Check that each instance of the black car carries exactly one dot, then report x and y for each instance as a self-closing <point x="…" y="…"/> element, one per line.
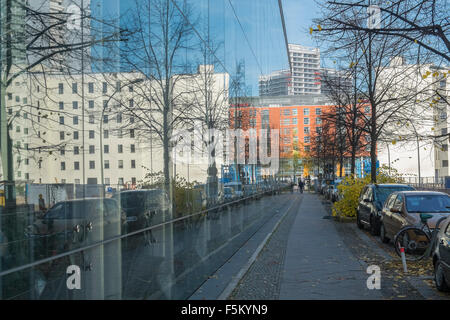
<point x="143" y="208"/>
<point x="370" y="204"/>
<point x="441" y="257"/>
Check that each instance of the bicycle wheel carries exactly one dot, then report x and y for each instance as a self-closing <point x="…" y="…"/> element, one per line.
<point x="415" y="242"/>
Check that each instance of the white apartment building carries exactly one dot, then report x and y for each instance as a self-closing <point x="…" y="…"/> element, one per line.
<point x="307" y="77"/>
<point x="305" y="63"/>
<point x="416" y="86"/>
<point x="277" y="83"/>
<point x="64" y="132"/>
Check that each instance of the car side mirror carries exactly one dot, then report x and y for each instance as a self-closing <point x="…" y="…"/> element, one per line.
<point x="395" y="210"/>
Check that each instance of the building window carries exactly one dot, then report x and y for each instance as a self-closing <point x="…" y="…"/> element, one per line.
<point x="445" y="147"/>
<point x="294" y="111"/>
<point x="74" y="87"/>
<point x="131" y="133"/>
<point x="306" y="112"/>
<point x="105" y="87"/>
<point x="132" y="148"/>
<point x="120" y="181"/>
<point x="75" y="104"/>
<point x="105" y="118"/>
<point x="91" y="104"/>
<point x="287" y="112"/>
<point x="106" y="148"/>
<point x="91" y="164"/>
<point x="63" y="151"/>
<point x="63" y="166"/>
<point x="61" y="105"/>
<point x="294" y="120"/>
<point x="133" y="164"/>
<point x="91" y="134"/>
<point x="75" y="135"/>
<point x="118" y="86"/>
<point x="444" y="163"/>
<point x="106" y="164"/>
<point x="91" y="118"/>
<point x="318" y="121"/>
<point x="120" y="148"/>
<point x="318" y="111"/>
<point x="105" y="134"/>
<point x="61" y="120"/>
<point x="76" y="165"/>
<point x="119" y="117"/>
<point x="306" y="139"/>
<point x="119" y="133"/>
<point x="76" y="150"/>
<point x="75" y="120"/>
<point x="306" y="130"/>
<point x="120" y="164"/>
<point x="306" y="121"/>
<point x="91" y="149"/>
<point x="61" y="135"/>
<point x="60" y="88"/>
<point x="107" y="181"/>
<point x="91" y="87"/>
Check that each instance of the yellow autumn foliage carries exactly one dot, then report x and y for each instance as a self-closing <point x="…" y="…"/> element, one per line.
<point x="350" y="189"/>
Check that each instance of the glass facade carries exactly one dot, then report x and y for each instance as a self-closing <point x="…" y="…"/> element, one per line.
<point x="96" y="200"/>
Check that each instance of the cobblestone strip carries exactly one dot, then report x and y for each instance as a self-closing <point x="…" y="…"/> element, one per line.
<point x="263" y="279"/>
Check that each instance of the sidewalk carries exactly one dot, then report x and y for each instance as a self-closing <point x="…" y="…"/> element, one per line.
<point x="318" y="265"/>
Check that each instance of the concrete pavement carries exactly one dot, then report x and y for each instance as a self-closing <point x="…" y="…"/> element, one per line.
<point x="317" y="264"/>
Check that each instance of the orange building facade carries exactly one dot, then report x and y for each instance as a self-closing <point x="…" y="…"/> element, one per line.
<point x="298" y="125"/>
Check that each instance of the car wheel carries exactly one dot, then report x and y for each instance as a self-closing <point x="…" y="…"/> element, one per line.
<point x="358" y="221"/>
<point x="439" y="278"/>
<point x="383" y="237"/>
<point x="374" y="230"/>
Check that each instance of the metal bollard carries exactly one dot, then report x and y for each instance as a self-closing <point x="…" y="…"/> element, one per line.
<point x="402" y="252"/>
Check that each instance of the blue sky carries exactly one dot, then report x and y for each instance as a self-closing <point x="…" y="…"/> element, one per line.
<point x="255" y="36"/>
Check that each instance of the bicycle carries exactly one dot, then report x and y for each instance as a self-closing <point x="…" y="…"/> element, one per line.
<point x="418" y="242"/>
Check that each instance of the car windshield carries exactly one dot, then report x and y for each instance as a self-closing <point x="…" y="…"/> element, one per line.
<point x="381" y="193"/>
<point x="131" y="199"/>
<point x="428" y="203"/>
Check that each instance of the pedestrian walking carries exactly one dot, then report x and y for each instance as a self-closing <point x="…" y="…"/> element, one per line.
<point x="300" y="185"/>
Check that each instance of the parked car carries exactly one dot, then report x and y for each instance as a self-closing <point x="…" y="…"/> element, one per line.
<point x="441" y="257"/>
<point x="370" y="204"/>
<point x="334" y="193"/>
<point x="328" y="191"/>
<point x="403" y="208"/>
<point x="69" y="223"/>
<point x="143" y="207"/>
<point x="228" y="194"/>
<point x="237" y="188"/>
<point x="322" y="187"/>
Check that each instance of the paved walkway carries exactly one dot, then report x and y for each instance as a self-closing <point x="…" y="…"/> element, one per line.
<point x="318" y="265"/>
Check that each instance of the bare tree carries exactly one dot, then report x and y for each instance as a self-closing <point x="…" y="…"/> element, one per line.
<point x="36" y="43"/>
<point x="381" y="70"/>
<point x="154" y="52"/>
<point x="422" y="22"/>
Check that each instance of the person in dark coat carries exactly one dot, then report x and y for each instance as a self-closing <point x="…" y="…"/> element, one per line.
<point x="300" y="185"/>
